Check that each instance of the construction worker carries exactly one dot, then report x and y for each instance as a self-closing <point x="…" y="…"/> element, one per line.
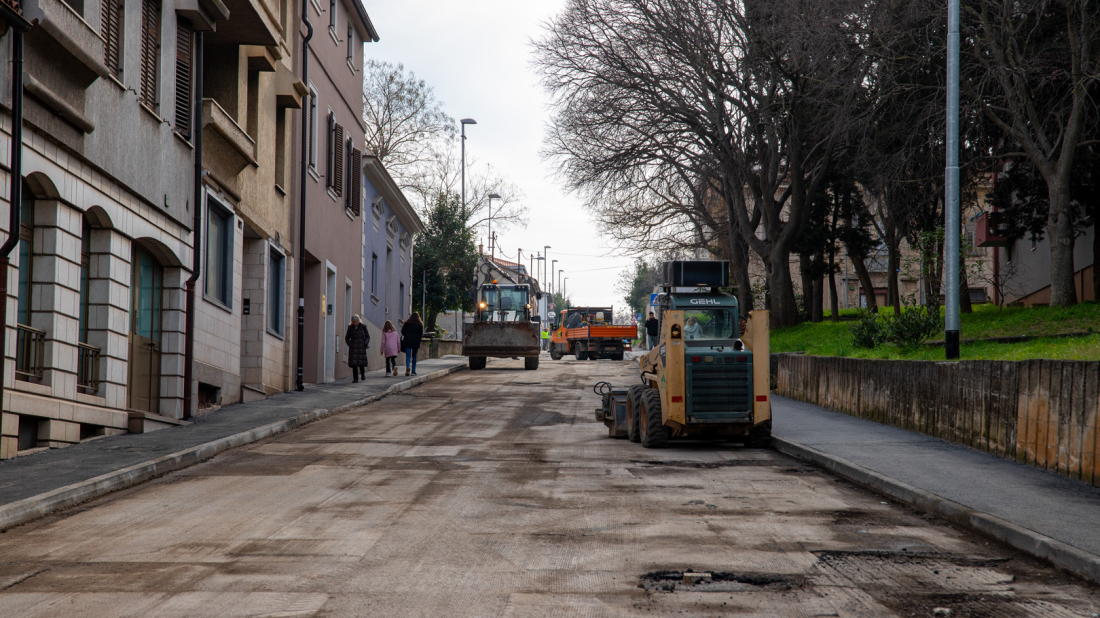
<point x="545" y="338"/>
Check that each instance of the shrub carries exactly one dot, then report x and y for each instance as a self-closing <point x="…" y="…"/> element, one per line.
<point x="867" y="331"/>
<point x="913" y="326"/>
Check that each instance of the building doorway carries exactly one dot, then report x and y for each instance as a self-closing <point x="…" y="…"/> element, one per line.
<point x="331" y="347"/>
<point x="147" y="294"/>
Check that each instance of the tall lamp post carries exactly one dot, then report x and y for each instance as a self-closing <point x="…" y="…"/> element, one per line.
<point x="464" y="122"/>
<point x="546" y="278"/>
<point x="550" y="279"/>
<point x="492" y="245"/>
<point x="561" y="290"/>
<point x="951" y="186"/>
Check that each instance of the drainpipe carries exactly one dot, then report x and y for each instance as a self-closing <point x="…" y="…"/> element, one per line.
<point x="300" y="380"/>
<point x="15" y="196"/>
<point x="196" y="226"/>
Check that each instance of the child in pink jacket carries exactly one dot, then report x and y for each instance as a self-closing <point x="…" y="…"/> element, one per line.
<point x="391" y="344"/>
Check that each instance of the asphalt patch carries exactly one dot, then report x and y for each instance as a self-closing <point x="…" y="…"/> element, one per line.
<point x="720" y="581"/>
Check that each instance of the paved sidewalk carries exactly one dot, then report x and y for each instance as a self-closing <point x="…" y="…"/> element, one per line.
<point x="1033" y="499"/>
<point x="33" y="475"/>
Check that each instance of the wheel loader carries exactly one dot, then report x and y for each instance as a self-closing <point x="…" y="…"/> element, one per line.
<point x="708" y="376"/>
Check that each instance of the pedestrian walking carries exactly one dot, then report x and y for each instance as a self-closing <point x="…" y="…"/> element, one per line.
<point x="652" y="330"/>
<point x="411" y="334"/>
<point x="358" y="340"/>
<point x="391" y="347"/>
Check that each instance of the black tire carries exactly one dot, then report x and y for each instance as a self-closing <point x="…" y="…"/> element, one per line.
<point x="531" y="363"/>
<point x="593" y="356"/>
<point x="634" y="411"/>
<point x="761" y="437"/>
<point x="477" y="362"/>
<point x="617" y="357"/>
<point x="654" y="432"/>
<point x="554" y="354"/>
<point x="580" y="355"/>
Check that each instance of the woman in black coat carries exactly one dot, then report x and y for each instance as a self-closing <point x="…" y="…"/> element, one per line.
<point x="411" y="334"/>
<point x="358" y="340"/>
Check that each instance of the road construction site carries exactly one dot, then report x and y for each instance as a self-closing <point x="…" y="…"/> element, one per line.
<point x="497" y="493"/>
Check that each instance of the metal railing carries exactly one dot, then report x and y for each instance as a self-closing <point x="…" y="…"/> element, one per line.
<point x="87" y="368"/>
<point x="30" y="353"/>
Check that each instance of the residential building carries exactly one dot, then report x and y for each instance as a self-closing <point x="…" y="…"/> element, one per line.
<point x="333" y="251"/>
<point x="389" y="226"/>
<point x="95" y="324"/>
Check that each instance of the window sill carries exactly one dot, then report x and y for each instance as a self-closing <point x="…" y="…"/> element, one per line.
<point x="186" y="141"/>
<point x="317" y="6"/>
<point x="152" y="112"/>
<point x="313" y="172"/>
<point x="349" y="213"/>
<point x="374" y="299"/>
<point x="217" y="303"/>
<point x="332" y="194"/>
<point x="332" y="33"/>
<point x="279" y="189"/>
<point x="276" y="335"/>
<point x="351" y="66"/>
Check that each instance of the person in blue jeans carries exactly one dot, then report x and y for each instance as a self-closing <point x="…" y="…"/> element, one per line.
<point x="411" y="334"/>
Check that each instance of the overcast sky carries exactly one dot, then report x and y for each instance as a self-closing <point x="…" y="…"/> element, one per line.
<point x="477" y="55"/>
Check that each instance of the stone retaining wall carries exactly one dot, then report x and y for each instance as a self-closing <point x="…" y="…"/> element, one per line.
<point x="1040" y="412"/>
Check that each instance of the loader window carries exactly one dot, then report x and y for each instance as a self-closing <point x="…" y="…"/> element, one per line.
<point x="709" y="324"/>
<point x="504" y="304"/>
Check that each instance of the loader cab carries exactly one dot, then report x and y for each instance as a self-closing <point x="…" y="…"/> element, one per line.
<point x="504" y="303"/>
<point x="709" y="319"/>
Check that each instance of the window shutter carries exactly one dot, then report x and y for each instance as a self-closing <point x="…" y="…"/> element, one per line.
<point x="112" y="34"/>
<point x="312" y="130"/>
<point x="338" y="155"/>
<point x="356" y="174"/>
<point x="184" y="39"/>
<point x="150" y="48"/>
<point x="330" y="156"/>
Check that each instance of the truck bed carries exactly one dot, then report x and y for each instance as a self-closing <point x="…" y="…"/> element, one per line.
<point x="602" y="332"/>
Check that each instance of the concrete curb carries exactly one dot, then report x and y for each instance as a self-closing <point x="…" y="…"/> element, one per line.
<point x="34" y="507"/>
<point x="1081" y="563"/>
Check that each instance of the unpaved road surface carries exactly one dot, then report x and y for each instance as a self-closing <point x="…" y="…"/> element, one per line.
<point x="495" y="493"/>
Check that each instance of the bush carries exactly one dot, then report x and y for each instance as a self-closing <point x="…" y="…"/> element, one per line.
<point x="867" y="331"/>
<point x="913" y="326"/>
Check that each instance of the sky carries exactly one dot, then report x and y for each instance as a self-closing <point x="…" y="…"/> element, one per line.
<point x="477" y="55"/>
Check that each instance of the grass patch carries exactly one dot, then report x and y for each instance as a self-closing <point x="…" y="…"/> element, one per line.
<point x="834" y="339"/>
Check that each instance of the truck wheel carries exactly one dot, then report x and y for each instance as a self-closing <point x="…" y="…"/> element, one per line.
<point x="593" y="356"/>
<point x="654" y="432"/>
<point x="634" y="411"/>
<point x="477" y="362"/>
<point x="581" y="355"/>
<point x="617" y="357"/>
<point x="554" y="354"/>
<point x="531" y="362"/>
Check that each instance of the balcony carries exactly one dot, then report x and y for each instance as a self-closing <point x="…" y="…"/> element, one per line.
<point x="989" y="230"/>
<point x="30" y="353"/>
<point x="87" y="368"/>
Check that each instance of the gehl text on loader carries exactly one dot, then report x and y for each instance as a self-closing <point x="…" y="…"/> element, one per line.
<point x="708" y="376"/>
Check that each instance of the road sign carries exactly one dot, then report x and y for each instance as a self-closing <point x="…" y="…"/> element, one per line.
<point x="652" y="300"/>
<point x="638" y="316"/>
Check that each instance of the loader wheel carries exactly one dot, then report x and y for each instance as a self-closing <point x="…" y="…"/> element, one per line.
<point x="634" y="411"/>
<point x="531" y="363"/>
<point x="654" y="432"/>
<point x="477" y="362"/>
<point x="761" y="437"/>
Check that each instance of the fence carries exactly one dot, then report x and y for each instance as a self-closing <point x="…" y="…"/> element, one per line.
<point x="1040" y="412"/>
<point x="87" y="368"/>
<point x="30" y="353"/>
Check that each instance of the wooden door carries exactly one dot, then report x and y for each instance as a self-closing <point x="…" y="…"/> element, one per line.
<point x="147" y="291"/>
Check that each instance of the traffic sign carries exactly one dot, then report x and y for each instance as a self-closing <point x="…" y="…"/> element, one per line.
<point x="652" y="300"/>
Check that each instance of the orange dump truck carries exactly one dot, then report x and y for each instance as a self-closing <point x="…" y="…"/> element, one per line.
<point x="587" y="333"/>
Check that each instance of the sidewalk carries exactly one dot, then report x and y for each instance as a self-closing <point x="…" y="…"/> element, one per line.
<point x="1042" y="511"/>
<point x="118" y="461"/>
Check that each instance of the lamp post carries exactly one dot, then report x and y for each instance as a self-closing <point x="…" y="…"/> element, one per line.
<point x="951" y="186"/>
<point x="464" y="122"/>
<point x="492" y="245"/>
<point x="550" y="279"/>
<point x="561" y="290"/>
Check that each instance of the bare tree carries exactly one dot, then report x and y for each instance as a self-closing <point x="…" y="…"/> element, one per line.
<point x="405" y="122"/>
<point x="1037" y="63"/>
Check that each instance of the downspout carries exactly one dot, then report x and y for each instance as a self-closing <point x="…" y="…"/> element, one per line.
<point x="300" y="380"/>
<point x="15" y="195"/>
<point x="196" y="226"/>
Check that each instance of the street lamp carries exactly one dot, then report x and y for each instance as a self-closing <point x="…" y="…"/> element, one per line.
<point x="464" y="121"/>
<point x="550" y="281"/>
<point x="492" y="248"/>
<point x="561" y="290"/>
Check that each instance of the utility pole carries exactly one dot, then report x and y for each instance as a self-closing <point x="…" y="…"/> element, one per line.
<point x="951" y="189"/>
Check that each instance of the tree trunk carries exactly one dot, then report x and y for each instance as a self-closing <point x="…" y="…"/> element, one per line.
<point x="1095" y="254"/>
<point x="1063" y="292"/>
<point x="865" y="282"/>
<point x="817" y="307"/>
<point x="781" y="287"/>
<point x="805" y="272"/>
<point x="965" y="306"/>
<point x="429" y="325"/>
<point x="739" y="268"/>
<point x="834" y="299"/>
<point x="893" y="265"/>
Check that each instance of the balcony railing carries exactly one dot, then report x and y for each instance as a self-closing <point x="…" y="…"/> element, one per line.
<point x="87" y="369"/>
<point x="30" y="353"/>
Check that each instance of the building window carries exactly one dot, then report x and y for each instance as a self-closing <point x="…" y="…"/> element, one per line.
<point x="401" y="301"/>
<point x="280" y="148"/>
<point x="276" y="286"/>
<point x="113" y="21"/>
<point x="313" y="118"/>
<point x="85" y="269"/>
<point x="219" y="253"/>
<point x="374" y="275"/>
<point x="26" y="256"/>
<point x="354" y="190"/>
<point x="150" y="51"/>
<point x="332" y="14"/>
<point x="351" y="45"/>
<point x="185" y="36"/>
<point x="335" y="163"/>
<point x="347" y="302"/>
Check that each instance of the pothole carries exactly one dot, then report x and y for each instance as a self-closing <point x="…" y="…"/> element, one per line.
<point x="727" y="463"/>
<point x="702" y="580"/>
